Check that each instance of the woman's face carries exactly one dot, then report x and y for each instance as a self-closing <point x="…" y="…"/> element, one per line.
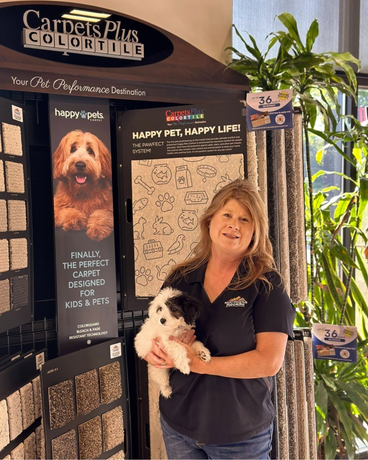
<point x="231" y="230"/>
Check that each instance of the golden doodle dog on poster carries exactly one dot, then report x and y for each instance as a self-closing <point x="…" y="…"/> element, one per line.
<point x="83" y="197"/>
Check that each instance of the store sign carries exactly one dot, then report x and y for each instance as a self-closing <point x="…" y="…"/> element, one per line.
<point x="51" y="32"/>
<point x="84" y="222"/>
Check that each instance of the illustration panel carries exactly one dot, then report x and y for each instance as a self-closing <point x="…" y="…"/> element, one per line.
<point x="169" y="196"/>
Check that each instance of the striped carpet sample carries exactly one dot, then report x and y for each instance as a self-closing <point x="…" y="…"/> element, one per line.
<point x="17" y="215"/>
<point x="262" y="164"/>
<point x="4" y="256"/>
<point x="3" y="216"/>
<point x="14" y="175"/>
<point x="12" y="140"/>
<point x="18" y="253"/>
<point x="2" y="177"/>
<point x="4" y="296"/>
<point x="252" y="173"/>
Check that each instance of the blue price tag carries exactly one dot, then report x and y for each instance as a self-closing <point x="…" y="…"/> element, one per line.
<point x="270" y="110"/>
<point x="333" y="342"/>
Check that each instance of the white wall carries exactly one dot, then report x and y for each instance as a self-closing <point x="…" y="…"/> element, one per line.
<point x="205" y="24"/>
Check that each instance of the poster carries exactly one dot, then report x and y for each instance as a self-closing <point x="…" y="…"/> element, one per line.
<point x="270" y="110"/>
<point x="338" y="343"/>
<point x="84" y="224"/>
<point x="173" y="163"/>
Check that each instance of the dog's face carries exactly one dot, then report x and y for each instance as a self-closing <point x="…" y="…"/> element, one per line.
<point x="172" y="308"/>
<point x="81" y="159"/>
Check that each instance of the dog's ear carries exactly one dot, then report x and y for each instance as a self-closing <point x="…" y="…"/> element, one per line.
<point x="105" y="160"/>
<point x="190" y="307"/>
<point x="59" y="157"/>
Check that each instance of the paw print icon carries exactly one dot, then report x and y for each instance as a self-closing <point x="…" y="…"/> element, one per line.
<point x="165" y="202"/>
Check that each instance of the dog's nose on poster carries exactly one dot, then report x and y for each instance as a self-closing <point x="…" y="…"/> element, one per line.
<point x="162" y="320"/>
<point x="80" y="165"/>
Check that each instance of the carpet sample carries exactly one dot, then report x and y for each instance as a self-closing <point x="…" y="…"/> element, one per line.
<point x="291" y="402"/>
<point x="30" y="447"/>
<point x="282" y="421"/>
<point x="3" y="216"/>
<point x="15" y="414"/>
<point x="87" y="392"/>
<point x="2" y="177"/>
<point x="61" y="404"/>
<point x="65" y="446"/>
<point x="18" y="452"/>
<point x="19" y="291"/>
<point x="301" y="397"/>
<point x="14" y="177"/>
<point x="90" y="438"/>
<point x="12" y="136"/>
<point x="18" y="253"/>
<point x="17" y="215"/>
<point x="27" y="401"/>
<point x="4" y="256"/>
<point x="4" y="296"/>
<point x="4" y="425"/>
<point x="113" y="428"/>
<point x="110" y="382"/>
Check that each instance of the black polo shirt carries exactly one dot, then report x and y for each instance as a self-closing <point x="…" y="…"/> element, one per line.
<point x="221" y="410"/>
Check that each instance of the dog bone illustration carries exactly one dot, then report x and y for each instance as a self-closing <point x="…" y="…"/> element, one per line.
<point x="140" y="181"/>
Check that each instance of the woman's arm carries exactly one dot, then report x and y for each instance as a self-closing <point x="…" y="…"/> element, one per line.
<point x="264" y="361"/>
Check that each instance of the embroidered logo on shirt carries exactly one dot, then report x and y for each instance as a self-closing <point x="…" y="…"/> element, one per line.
<point x="236" y="302"/>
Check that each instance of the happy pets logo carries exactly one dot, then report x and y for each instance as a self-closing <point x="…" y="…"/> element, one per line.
<point x="76" y="114"/>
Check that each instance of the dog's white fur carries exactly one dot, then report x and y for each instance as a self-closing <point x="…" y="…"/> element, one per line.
<point x="170" y="313"/>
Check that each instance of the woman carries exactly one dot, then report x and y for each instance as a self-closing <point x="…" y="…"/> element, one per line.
<point x="223" y="408"/>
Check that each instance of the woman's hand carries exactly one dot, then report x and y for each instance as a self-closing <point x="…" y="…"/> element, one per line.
<point x="158" y="356"/>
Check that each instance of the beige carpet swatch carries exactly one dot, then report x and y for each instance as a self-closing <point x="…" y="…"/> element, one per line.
<point x="4" y="425"/>
<point x="30" y="447"/>
<point x="282" y="421"/>
<point x="298" y="140"/>
<point x="293" y="215"/>
<point x="3" y="216"/>
<point x="40" y="443"/>
<point x="252" y="158"/>
<point x="17" y="215"/>
<point x="2" y="177"/>
<point x="12" y="139"/>
<point x="262" y="164"/>
<point x="18" y="253"/>
<point x="15" y="414"/>
<point x="4" y="296"/>
<point x="18" y="452"/>
<point x="283" y="207"/>
<point x="27" y="401"/>
<point x="157" y="446"/>
<point x="291" y="401"/>
<point x="4" y="256"/>
<point x="303" y="433"/>
<point x="309" y="384"/>
<point x="14" y="174"/>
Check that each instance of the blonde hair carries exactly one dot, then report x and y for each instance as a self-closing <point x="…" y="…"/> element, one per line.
<point x="258" y="259"/>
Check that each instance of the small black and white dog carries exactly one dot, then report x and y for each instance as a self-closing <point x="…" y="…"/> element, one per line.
<point x="171" y="312"/>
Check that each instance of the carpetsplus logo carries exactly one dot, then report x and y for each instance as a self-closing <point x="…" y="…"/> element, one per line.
<point x="75" y="115"/>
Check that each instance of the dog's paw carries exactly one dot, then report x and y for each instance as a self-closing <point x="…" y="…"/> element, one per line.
<point x="100" y="225"/>
<point x="71" y="219"/>
<point x="166" y="391"/>
<point x="205" y="355"/>
<point x="184" y="368"/>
